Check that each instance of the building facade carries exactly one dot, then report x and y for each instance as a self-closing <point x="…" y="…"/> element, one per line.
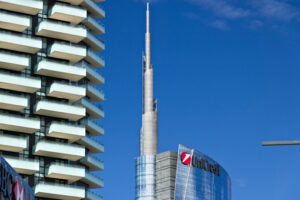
<point x="190" y="175"/>
<point x="49" y="94"/>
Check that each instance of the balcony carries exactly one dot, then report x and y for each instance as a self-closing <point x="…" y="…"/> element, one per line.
<point x="58" y="150"/>
<point x="30" y="7"/>
<point x="12" y="143"/>
<point x="92" y="196"/>
<point x="93" y="8"/>
<point x="13" y="102"/>
<point x="94" y="111"/>
<point x="66" y="131"/>
<point x="60" y="70"/>
<point x="93" y="163"/>
<point x="13" y="21"/>
<point x="66" y="91"/>
<point x="23" y="165"/>
<point x="10" y="81"/>
<point x="13" y="61"/>
<point x="59" y="110"/>
<point x="94" y="25"/>
<point x="95" y="60"/>
<point x="73" y="2"/>
<point x="19" y="42"/>
<point x="94" y="42"/>
<point x="93" y="180"/>
<point x="92" y="144"/>
<point x="94" y="93"/>
<point x="18" y="123"/>
<point x="60" y="30"/>
<point x="70" y="173"/>
<point x="93" y="128"/>
<point x="67" y="51"/>
<point x="57" y="191"/>
<point x="68" y="13"/>
<point x="93" y="76"/>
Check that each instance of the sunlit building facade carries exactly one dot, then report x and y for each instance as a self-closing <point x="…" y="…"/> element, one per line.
<point x="50" y="80"/>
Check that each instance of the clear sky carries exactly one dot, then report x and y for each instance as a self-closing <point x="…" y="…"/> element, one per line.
<point x="226" y="78"/>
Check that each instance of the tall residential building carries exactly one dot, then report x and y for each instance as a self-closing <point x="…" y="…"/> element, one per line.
<point x="186" y="174"/>
<point x="145" y="163"/>
<point x="49" y="94"/>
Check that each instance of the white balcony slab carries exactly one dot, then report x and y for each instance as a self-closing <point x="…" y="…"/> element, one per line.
<point x="70" y="173"/>
<point x="66" y="131"/>
<point x="19" y="42"/>
<point x="19" y="83"/>
<point x="14" y="22"/>
<point x="94" y="93"/>
<point x="13" y="61"/>
<point x="94" y="59"/>
<point x="66" y="91"/>
<point x="93" y="163"/>
<point x="96" y="27"/>
<point x="59" y="150"/>
<point x="73" y="2"/>
<point x="30" y="7"/>
<point x="23" y="165"/>
<point x="93" y="128"/>
<point x="56" y="191"/>
<point x="93" y="8"/>
<point x="61" y="31"/>
<point x="13" y="102"/>
<point x="92" y="110"/>
<point x="60" y="70"/>
<point x="91" y="144"/>
<point x="93" y="181"/>
<point x="18" y="123"/>
<point x="67" y="51"/>
<point x="12" y="143"/>
<point x="94" y="42"/>
<point x="59" y="110"/>
<point x="68" y="13"/>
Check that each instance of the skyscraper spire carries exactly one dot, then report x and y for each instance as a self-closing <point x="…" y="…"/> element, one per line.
<point x="148" y="140"/>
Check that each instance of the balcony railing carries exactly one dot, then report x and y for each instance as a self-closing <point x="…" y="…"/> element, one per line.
<point x="93" y="180"/>
<point x="94" y="8"/>
<point x="93" y="196"/>
<point x="94" y="76"/>
<point x="94" y="111"/>
<point x="92" y="143"/>
<point x="94" y="42"/>
<point x="94" y="59"/>
<point x="96" y="27"/>
<point x="92" y="162"/>
<point x="94" y="128"/>
<point x="94" y="93"/>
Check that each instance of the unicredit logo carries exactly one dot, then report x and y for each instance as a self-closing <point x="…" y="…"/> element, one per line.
<point x="19" y="192"/>
<point x="186" y="158"/>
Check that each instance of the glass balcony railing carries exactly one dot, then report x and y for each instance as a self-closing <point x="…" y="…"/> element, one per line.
<point x="93" y="163"/>
<point x="92" y="143"/>
<point x="94" y="8"/>
<point x="94" y="128"/>
<point x="94" y="76"/>
<point x="94" y="111"/>
<point x="94" y="42"/>
<point x="93" y="196"/>
<point x="94" y="93"/>
<point x="95" y="26"/>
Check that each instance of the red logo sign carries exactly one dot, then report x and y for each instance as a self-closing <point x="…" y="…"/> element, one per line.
<point x="19" y="192"/>
<point x="186" y="158"/>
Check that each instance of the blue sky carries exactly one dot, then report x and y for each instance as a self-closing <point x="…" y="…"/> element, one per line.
<point x="226" y="78"/>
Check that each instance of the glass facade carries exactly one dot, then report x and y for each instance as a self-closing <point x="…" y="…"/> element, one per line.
<point x="198" y="177"/>
<point x="145" y="177"/>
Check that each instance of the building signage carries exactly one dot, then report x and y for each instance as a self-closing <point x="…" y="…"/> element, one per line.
<point x="12" y="187"/>
<point x="200" y="163"/>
